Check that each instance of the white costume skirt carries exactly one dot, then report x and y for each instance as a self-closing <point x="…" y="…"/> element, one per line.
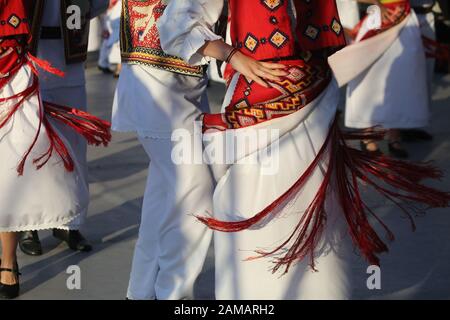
<point x="248" y="185"/>
<point x="40" y="199"/>
<point x="392" y="92"/>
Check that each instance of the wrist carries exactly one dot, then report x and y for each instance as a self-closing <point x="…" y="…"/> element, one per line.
<point x="231" y="54"/>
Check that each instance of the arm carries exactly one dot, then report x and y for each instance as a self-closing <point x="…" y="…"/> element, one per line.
<point x="186" y="31"/>
<point x="249" y="67"/>
<point x="186" y="25"/>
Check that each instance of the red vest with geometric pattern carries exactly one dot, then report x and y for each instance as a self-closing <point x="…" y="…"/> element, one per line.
<point x="13" y="18"/>
<point x="263" y="28"/>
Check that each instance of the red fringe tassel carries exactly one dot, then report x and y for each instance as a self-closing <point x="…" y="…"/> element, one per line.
<point x="33" y="61"/>
<point x="436" y="50"/>
<point x="94" y="130"/>
<point x="398" y="181"/>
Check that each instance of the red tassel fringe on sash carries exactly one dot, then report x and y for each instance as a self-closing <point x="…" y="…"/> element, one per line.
<point x="398" y="181"/>
<point x="94" y="130"/>
<point x="436" y="50"/>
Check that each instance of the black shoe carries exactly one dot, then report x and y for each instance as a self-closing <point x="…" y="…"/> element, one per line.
<point x="416" y="135"/>
<point x="376" y="152"/>
<point x="29" y="243"/>
<point x="10" y="291"/>
<point x="397" y="151"/>
<point x="105" y="70"/>
<point x="73" y="238"/>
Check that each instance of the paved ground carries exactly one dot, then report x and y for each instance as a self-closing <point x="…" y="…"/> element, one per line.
<point x="417" y="267"/>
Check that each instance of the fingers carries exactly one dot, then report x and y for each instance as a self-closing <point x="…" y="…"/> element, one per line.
<point x="275" y="69"/>
<point x="271" y="74"/>
<point x="265" y="74"/>
<point x="260" y="81"/>
<point x="270" y="65"/>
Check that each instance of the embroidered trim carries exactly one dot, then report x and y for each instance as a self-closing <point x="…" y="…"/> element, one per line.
<point x="143" y="46"/>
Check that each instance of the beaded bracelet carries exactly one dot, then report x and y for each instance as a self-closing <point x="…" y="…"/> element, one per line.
<point x="232" y="53"/>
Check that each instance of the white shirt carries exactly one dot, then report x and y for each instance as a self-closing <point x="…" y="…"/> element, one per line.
<point x="186" y="25"/>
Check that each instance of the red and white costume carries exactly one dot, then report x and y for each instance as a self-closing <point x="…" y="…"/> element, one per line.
<point x="390" y="88"/>
<point x="42" y="182"/>
<point x="308" y="210"/>
<point x="156" y="95"/>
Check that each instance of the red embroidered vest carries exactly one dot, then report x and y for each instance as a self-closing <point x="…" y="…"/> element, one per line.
<point x="140" y="42"/>
<point x="13" y="18"/>
<point x="317" y="27"/>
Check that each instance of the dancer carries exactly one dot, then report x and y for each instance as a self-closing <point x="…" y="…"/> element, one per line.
<point x="42" y="178"/>
<point x="159" y="96"/>
<point x="305" y="212"/>
<point x="66" y="49"/>
<point x="392" y="92"/>
<point x="425" y="15"/>
<point x="110" y="48"/>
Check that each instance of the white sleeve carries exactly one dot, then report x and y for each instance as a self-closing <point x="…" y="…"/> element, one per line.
<point x="186" y="25"/>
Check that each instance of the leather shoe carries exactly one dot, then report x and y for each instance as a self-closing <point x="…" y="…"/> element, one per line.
<point x="73" y="238"/>
<point x="10" y="291"/>
<point x="416" y="135"/>
<point x="29" y="243"/>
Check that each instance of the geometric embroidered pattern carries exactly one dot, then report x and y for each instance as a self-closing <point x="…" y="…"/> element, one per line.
<point x="139" y="38"/>
<point x="14" y="21"/>
<point x="278" y="38"/>
<point x="251" y="42"/>
<point x="271" y="4"/>
<point x="312" y="32"/>
<point x="336" y="27"/>
<point x="253" y="104"/>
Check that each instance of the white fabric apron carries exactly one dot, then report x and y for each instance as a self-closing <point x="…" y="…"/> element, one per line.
<point x="244" y="189"/>
<point x="40" y="199"/>
<point x="392" y="92"/>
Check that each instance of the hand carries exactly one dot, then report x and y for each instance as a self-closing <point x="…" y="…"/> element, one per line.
<point x="256" y="70"/>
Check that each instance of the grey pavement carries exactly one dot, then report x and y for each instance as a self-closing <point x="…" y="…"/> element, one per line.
<point x="417" y="266"/>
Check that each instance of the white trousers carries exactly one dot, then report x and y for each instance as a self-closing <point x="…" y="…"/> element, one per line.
<point x="72" y="97"/>
<point x="172" y="244"/>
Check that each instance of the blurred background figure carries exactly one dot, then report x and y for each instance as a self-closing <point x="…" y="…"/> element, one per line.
<point x="349" y="14"/>
<point x="442" y="20"/>
<point x="109" y="59"/>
